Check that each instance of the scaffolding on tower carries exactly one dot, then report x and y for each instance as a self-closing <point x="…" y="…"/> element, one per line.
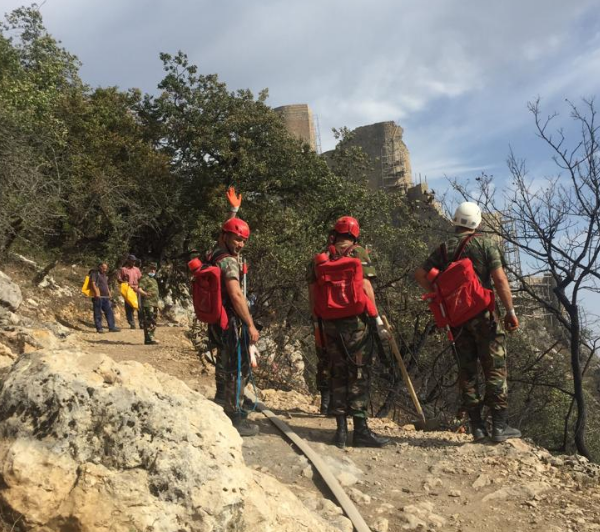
<point x="317" y="127"/>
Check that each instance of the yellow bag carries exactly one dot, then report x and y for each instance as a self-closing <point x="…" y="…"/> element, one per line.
<point x="130" y="295"/>
<point x="86" y="288"/>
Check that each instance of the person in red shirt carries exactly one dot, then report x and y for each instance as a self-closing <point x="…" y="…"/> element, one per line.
<point x="131" y="274"/>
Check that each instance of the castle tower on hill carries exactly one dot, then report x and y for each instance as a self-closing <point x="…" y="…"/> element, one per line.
<point x="390" y="159"/>
<point x="382" y="143"/>
<point x="299" y="122"/>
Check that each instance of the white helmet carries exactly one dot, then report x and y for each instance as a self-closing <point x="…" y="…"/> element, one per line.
<point x="467" y="215"/>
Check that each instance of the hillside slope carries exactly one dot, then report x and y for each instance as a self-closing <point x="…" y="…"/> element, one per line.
<point x="423" y="481"/>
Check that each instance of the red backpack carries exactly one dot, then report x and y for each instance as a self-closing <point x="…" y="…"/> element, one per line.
<point x="338" y="291"/>
<point x="206" y="291"/>
<point x="459" y="295"/>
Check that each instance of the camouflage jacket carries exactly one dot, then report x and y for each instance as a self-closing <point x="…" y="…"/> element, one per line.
<point x="231" y="268"/>
<point x="485" y="254"/>
<point x="150" y="286"/>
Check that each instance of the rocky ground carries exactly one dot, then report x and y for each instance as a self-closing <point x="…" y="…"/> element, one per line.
<point x="422" y="481"/>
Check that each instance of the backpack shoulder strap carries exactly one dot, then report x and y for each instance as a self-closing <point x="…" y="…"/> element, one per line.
<point x="350" y="250"/>
<point x="214" y="259"/>
<point x="444" y="253"/>
<point x="463" y="245"/>
<point x="334" y="255"/>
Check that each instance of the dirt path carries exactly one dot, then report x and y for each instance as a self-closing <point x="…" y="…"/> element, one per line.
<point x="423" y="481"/>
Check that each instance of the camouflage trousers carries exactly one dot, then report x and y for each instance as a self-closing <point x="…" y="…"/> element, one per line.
<point x="323" y="371"/>
<point x="323" y="374"/>
<point x="232" y="365"/>
<point x="149" y="322"/>
<point x="349" y="349"/>
<point x="478" y="340"/>
<point x="198" y="335"/>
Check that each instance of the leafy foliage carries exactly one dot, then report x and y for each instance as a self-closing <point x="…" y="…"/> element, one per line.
<point x="97" y="173"/>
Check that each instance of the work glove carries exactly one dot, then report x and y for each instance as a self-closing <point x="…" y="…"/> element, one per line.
<point x="511" y="322"/>
<point x="253" y="352"/>
<point x="382" y="332"/>
<point x="235" y="200"/>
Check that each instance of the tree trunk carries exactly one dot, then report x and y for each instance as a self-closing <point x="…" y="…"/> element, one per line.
<point x="16" y="226"/>
<point x="578" y="384"/>
<point x="566" y="426"/>
<point x="41" y="275"/>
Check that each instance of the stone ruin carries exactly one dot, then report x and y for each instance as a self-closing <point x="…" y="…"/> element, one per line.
<point x="299" y="122"/>
<point x="390" y="159"/>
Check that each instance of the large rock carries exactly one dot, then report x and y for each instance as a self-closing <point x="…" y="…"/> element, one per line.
<point x="177" y="313"/>
<point x="10" y="293"/>
<point x="26" y="339"/>
<point x="87" y="444"/>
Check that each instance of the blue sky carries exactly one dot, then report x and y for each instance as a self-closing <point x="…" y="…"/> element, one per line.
<point x="455" y="74"/>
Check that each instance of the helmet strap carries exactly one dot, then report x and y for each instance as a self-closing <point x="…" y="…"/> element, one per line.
<point x="224" y="241"/>
<point x="333" y="251"/>
<point x="349" y="236"/>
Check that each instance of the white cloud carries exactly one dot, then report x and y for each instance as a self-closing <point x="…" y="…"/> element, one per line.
<point x="456" y="75"/>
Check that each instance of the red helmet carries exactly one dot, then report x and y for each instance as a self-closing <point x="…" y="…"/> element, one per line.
<point x="237" y="227"/>
<point x="347" y="224"/>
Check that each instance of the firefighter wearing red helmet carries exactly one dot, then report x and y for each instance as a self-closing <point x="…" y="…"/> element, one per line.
<point x="237" y="227"/>
<point x="235" y="342"/>
<point x="347" y="225"/>
<point x="343" y="305"/>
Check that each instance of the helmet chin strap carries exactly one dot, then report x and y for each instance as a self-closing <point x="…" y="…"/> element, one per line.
<point x="228" y="248"/>
<point x="231" y="252"/>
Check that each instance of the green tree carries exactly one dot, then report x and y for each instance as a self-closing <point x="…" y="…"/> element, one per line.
<point x="35" y="74"/>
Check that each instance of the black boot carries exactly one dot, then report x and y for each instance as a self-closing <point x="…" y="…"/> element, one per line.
<point x="477" y="424"/>
<point x="341" y="434"/>
<point x="363" y="437"/>
<point x="325" y="402"/>
<point x="243" y="426"/>
<point x="149" y="339"/>
<point x="500" y="428"/>
<point x="220" y="393"/>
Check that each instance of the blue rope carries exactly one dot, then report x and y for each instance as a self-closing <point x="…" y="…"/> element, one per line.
<point x="239" y="375"/>
<point x="238" y="403"/>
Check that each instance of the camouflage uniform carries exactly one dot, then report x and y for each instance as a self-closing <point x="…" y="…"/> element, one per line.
<point x="232" y="343"/>
<point x="347" y="354"/>
<point x="149" y="306"/>
<point x="479" y="339"/>
<point x="323" y="371"/>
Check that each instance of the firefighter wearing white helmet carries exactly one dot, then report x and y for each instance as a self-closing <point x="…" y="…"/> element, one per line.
<point x="468" y="214"/>
<point x="479" y="339"/>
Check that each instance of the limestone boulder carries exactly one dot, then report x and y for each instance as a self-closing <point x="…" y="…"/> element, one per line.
<point x="178" y="313"/>
<point x="7" y="358"/>
<point x="8" y="318"/>
<point x="10" y="293"/>
<point x="87" y="444"/>
<point x="26" y="339"/>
